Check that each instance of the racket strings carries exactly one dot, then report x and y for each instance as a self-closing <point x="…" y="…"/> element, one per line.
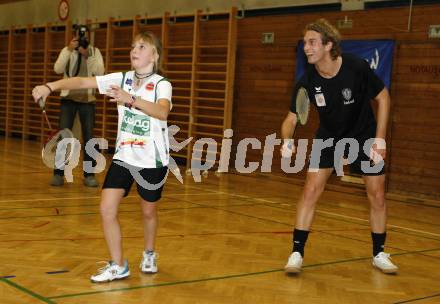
<point x="49" y="152"/>
<point x="302" y="106"/>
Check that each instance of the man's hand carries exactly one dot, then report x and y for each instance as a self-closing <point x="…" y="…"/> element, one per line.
<point x="84" y="52"/>
<point x="378" y="151"/>
<point x="73" y="44"/>
<point x="288" y="148"/>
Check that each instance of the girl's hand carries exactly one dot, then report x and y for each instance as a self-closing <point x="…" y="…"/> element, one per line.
<point x="40" y="93"/>
<point x="119" y="95"/>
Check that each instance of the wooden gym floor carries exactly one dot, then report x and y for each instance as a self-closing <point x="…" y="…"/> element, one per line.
<point x="224" y="240"/>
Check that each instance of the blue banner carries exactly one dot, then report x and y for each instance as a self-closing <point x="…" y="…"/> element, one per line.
<point x="378" y="53"/>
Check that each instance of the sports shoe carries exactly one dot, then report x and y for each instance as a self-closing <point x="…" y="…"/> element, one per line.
<point x="148" y="263"/>
<point x="57" y="180"/>
<point x="110" y="272"/>
<point x="294" y="263"/>
<point x="382" y="261"/>
<point x="90" y="181"/>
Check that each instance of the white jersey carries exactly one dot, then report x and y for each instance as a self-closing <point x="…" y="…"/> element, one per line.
<point x="142" y="140"/>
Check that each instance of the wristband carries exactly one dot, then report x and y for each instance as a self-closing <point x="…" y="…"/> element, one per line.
<point x="50" y="90"/>
<point x="130" y="104"/>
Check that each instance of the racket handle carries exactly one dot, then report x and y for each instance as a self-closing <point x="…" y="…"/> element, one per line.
<point x="41" y="103"/>
<point x="47" y="120"/>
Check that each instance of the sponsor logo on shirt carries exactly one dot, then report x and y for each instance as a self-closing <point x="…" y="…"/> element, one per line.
<point x="128" y="81"/>
<point x="132" y="143"/>
<point x="320" y="100"/>
<point x="150" y="86"/>
<point x="346" y="93"/>
<point x="136" y="124"/>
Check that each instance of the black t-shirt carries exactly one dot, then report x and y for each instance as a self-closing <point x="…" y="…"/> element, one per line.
<point x="343" y="102"/>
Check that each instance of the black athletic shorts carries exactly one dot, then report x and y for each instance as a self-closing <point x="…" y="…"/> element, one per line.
<point x="119" y="177"/>
<point x="327" y="160"/>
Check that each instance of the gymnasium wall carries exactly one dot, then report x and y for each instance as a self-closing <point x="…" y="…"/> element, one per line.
<point x="42" y="11"/>
<point x="39" y="12"/>
<point x="265" y="76"/>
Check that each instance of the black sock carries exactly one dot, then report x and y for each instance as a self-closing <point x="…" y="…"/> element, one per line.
<point x="378" y="242"/>
<point x="299" y="240"/>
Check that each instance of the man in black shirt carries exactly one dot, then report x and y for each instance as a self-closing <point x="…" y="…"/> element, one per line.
<point x="341" y="87"/>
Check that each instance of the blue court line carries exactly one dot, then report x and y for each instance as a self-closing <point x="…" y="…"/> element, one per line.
<point x="7" y="277"/>
<point x="57" y="272"/>
<point x="233" y="276"/>
<point x="27" y="291"/>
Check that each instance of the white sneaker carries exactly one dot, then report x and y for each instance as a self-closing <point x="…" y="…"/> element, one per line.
<point x="294" y="263"/>
<point x="148" y="263"/>
<point x="383" y="262"/>
<point x="110" y="272"/>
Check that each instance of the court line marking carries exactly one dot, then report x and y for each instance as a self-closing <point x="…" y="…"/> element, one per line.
<point x="222" y="193"/>
<point x="57" y="272"/>
<point x="267" y="201"/>
<point x="85" y="205"/>
<point x="357" y="223"/>
<point x="418" y="299"/>
<point x="391" y="229"/>
<point x="240" y="205"/>
<point x="317" y="211"/>
<point x="90" y="197"/>
<point x="389" y="225"/>
<point x="214" y="207"/>
<point x="397" y="200"/>
<point x="198" y="206"/>
<point x="333" y="214"/>
<point x="360" y="219"/>
<point x="159" y="236"/>
<point x="27" y="291"/>
<point x="233" y="276"/>
<point x="320" y="231"/>
<point x="272" y="203"/>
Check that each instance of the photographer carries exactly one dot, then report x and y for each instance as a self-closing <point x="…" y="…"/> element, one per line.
<point x="80" y="59"/>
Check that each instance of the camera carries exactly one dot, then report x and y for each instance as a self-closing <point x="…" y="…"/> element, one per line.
<point x="82" y="39"/>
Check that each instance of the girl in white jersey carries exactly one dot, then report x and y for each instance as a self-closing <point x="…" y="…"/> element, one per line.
<point x="142" y="147"/>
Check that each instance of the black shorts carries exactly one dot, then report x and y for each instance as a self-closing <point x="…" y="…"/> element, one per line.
<point x="327" y="160"/>
<point x="119" y="177"/>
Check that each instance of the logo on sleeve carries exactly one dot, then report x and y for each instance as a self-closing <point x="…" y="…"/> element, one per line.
<point x="346" y="93"/>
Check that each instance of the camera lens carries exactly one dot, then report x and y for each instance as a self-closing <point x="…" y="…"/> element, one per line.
<point x="82" y="41"/>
